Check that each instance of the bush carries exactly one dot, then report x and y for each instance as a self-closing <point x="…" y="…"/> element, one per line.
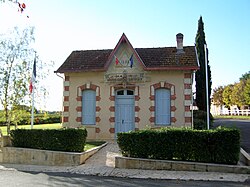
<point x="213" y="146"/>
<point x="200" y="120"/>
<point x="71" y="140"/>
<point x="200" y="124"/>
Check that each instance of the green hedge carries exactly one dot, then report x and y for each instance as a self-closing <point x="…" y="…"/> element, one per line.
<point x="200" y="120"/>
<point x="212" y="146"/>
<point x="71" y="140"/>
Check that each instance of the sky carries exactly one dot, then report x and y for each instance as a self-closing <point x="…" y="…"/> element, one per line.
<point x="62" y="26"/>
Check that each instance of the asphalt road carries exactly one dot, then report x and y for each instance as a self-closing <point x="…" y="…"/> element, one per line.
<point x="242" y="125"/>
<point x="32" y="179"/>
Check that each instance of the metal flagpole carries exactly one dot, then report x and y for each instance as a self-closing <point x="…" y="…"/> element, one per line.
<point x="32" y="111"/>
<point x="208" y="121"/>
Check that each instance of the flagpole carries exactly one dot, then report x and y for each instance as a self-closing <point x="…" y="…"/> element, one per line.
<point x="32" y="111"/>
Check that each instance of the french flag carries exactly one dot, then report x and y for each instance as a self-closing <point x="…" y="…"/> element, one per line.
<point x="33" y="77"/>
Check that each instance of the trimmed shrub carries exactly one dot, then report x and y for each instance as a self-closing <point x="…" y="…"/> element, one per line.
<point x="220" y="145"/>
<point x="200" y="124"/>
<point x="200" y="120"/>
<point x="71" y="140"/>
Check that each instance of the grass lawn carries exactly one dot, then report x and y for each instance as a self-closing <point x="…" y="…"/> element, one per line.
<point x="233" y="117"/>
<point x="42" y="126"/>
<point x="92" y="144"/>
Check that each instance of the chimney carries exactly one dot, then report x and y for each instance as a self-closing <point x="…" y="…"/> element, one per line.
<point x="179" y="39"/>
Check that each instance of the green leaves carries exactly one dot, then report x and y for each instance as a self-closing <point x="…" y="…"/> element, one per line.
<point x="221" y="145"/>
<point x="71" y="140"/>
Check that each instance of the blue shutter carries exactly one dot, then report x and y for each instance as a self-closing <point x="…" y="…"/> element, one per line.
<point x="88" y="107"/>
<point x="162" y="107"/>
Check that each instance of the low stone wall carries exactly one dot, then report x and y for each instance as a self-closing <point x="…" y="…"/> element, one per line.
<point x="244" y="157"/>
<point x="14" y="155"/>
<point x="136" y="163"/>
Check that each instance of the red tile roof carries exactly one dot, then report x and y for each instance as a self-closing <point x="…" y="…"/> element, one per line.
<point x="165" y="58"/>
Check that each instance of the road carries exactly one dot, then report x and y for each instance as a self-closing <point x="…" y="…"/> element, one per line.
<point x="242" y="125"/>
<point x="14" y="178"/>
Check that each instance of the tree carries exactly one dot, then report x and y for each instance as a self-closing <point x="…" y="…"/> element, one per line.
<point x="237" y="97"/>
<point x="16" y="62"/>
<point x="15" y="53"/>
<point x="247" y="92"/>
<point x="200" y="76"/>
<point x="227" y="95"/>
<point x="217" y="96"/>
<point x="245" y="76"/>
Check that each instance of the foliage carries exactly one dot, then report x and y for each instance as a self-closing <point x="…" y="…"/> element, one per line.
<point x="16" y="59"/>
<point x="245" y="76"/>
<point x="227" y="95"/>
<point x="200" y="120"/>
<point x="22" y="117"/>
<point x="71" y="140"/>
<point x="247" y="92"/>
<point x="200" y="76"/>
<point x="221" y="145"/>
<point x="237" y="97"/>
<point x="234" y="94"/>
<point x="15" y="50"/>
<point x="217" y="96"/>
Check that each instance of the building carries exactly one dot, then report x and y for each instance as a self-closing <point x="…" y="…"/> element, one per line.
<point x="125" y="88"/>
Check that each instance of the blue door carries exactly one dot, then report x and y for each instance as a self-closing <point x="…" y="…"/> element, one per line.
<point x="124" y="111"/>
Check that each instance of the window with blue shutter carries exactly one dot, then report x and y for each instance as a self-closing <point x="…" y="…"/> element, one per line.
<point x="88" y="107"/>
<point x="162" y="107"/>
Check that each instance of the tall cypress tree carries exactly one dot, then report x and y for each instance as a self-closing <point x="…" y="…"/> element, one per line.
<point x="200" y="76"/>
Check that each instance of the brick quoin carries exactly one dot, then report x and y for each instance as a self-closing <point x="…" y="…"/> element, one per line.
<point x="187" y="108"/>
<point x="112" y="98"/>
<point x="173" y="119"/>
<point x="188" y="119"/>
<point x="137" y="119"/>
<point x="137" y="98"/>
<point x="78" y="119"/>
<point x="65" y="119"/>
<point x="187" y="75"/>
<point x="187" y="97"/>
<point x="152" y="119"/>
<point x="137" y="108"/>
<point x="152" y="108"/>
<point x="66" y="78"/>
<point x="66" y="88"/>
<point x="97" y="130"/>
<point x="66" y="108"/>
<point x="97" y="119"/>
<point x="66" y="98"/>
<point x="187" y="86"/>
<point x="79" y="109"/>
<point x="111" y="119"/>
<point x="112" y="109"/>
<point x="112" y="130"/>
<point x="173" y="108"/>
